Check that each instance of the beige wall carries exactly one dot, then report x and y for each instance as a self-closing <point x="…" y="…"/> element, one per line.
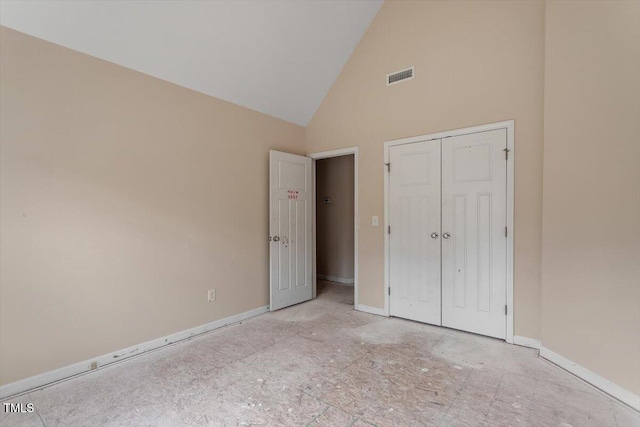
<point x="591" y="220"/>
<point x="476" y="62"/>
<point x="334" y="221"/>
<point x="123" y="199"/>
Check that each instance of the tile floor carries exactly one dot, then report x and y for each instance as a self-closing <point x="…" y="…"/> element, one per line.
<point x="323" y="364"/>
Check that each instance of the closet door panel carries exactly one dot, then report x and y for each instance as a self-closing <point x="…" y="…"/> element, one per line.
<point x="415" y="231"/>
<point x="473" y="226"/>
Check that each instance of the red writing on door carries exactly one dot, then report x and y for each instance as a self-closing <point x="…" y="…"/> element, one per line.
<point x="293" y="194"/>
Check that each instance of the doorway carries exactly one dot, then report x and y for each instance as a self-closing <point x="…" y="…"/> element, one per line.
<point x="292" y="227"/>
<point x="335" y="221"/>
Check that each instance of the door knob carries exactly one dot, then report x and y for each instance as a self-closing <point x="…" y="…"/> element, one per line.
<point x="446" y="235"/>
<point x="434" y="235"/>
<point x="276" y="238"/>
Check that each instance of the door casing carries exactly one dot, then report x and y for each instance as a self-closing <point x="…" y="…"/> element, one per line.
<point x="509" y="125"/>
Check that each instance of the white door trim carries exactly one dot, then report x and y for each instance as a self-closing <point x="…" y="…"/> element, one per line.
<point x="356" y="222"/>
<point x="509" y="125"/>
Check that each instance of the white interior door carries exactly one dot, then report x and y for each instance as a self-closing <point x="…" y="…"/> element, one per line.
<point x="414" y="217"/>
<point x="474" y="178"/>
<point x="290" y="198"/>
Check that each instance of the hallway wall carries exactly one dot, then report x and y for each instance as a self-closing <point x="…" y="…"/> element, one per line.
<point x="334" y="221"/>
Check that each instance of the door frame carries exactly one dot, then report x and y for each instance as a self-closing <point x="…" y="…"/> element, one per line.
<point x="327" y="155"/>
<point x="509" y="125"/>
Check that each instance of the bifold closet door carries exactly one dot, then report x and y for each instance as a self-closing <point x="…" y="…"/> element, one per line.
<point x="474" y="183"/>
<point x="414" y="217"/>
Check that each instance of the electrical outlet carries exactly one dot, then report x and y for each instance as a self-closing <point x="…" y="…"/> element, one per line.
<point x="94" y="365"/>
<point x="211" y="295"/>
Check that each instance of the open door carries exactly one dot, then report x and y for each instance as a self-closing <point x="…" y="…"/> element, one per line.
<point x="290" y="222"/>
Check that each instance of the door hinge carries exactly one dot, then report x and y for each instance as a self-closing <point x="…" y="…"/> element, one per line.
<point x="506" y="153"/>
<point x="389" y="229"/>
<point x="389" y="289"/>
<point x="505" y="310"/>
<point x="505" y="232"/>
<point x="388" y="165"/>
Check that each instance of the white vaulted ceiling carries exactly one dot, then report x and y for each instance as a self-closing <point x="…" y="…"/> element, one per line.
<point x="277" y="57"/>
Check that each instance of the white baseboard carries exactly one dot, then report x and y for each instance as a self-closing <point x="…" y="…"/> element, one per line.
<point x="65" y="372"/>
<point x="526" y="342"/>
<point x="592" y="378"/>
<point x="344" y="281"/>
<point x="371" y="310"/>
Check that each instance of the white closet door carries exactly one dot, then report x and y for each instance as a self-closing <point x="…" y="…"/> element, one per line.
<point x="473" y="225"/>
<point x="415" y="231"/>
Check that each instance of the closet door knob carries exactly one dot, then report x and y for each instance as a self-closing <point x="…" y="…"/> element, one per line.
<point x="434" y="235"/>
<point x="446" y="235"/>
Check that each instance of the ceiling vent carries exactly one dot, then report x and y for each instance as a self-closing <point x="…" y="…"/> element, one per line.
<point x="401" y="76"/>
